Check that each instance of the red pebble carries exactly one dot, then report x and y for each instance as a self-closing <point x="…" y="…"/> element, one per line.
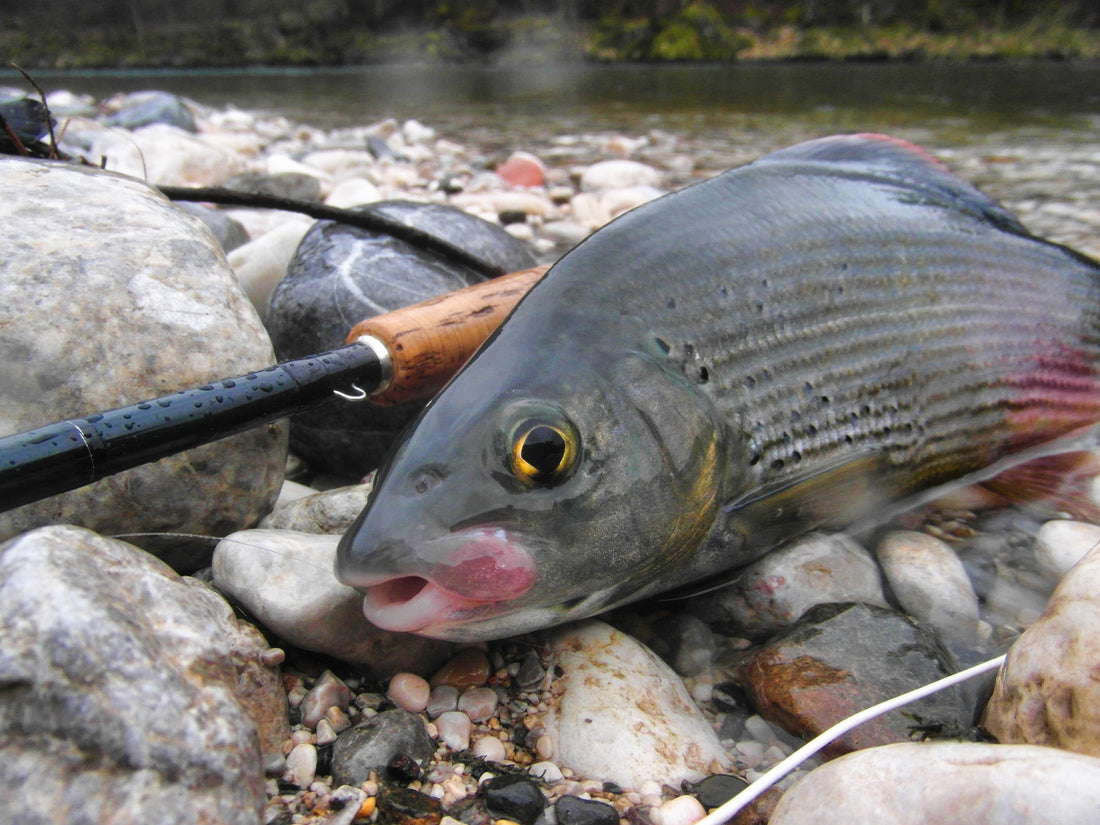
<point x="523" y="169"/>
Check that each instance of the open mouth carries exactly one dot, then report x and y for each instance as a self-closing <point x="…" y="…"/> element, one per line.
<point x="468" y="569"/>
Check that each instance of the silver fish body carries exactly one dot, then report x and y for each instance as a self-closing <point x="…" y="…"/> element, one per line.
<point x="790" y="345"/>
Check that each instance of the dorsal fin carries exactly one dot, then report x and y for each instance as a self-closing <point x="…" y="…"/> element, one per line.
<point x="900" y="162"/>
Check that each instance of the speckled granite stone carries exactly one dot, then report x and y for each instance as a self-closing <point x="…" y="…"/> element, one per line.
<point x="108" y="296"/>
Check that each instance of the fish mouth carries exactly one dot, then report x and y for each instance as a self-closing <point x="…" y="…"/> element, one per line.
<point x="460" y="576"/>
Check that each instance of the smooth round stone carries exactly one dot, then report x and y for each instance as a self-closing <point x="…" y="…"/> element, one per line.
<point x="572" y="810"/>
<point x="467" y="668"/>
<point x="443" y="698"/>
<point x="1060" y="544"/>
<point x="372" y="745"/>
<point x="327" y="692"/>
<point x="146" y="108"/>
<point x="522" y="169"/>
<point x="341" y="275"/>
<point x="514" y="798"/>
<point x="617" y="174"/>
<point x="718" y="789"/>
<point x="454" y="728"/>
<point x="547" y="771"/>
<point x="683" y="810"/>
<point x="260" y="264"/>
<point x="479" y="703"/>
<point x="939" y="782"/>
<point x="409" y="691"/>
<point x="490" y="748"/>
<point x="929" y="582"/>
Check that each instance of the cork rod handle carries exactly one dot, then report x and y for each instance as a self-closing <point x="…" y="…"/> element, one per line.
<point x="428" y="342"/>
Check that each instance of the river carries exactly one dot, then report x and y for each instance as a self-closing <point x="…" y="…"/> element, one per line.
<point x="513" y="104"/>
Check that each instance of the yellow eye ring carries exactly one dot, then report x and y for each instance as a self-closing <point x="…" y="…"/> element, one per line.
<point x="542" y="453"/>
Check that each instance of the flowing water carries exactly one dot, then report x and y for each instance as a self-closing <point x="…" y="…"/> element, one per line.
<point x="504" y="105"/>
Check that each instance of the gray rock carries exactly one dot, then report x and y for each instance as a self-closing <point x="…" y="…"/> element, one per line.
<point x="146" y="108"/>
<point x="776" y="591"/>
<point x="110" y="295"/>
<point x="227" y="232"/>
<point x="341" y="275"/>
<point x="331" y="511"/>
<point x="294" y="185"/>
<point x="934" y="783"/>
<point x="285" y="579"/>
<point x="1047" y="692"/>
<point x="615" y="692"/>
<point x="131" y="694"/>
<point x="370" y="745"/>
<point x="838" y="660"/>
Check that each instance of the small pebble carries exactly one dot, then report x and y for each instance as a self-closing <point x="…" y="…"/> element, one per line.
<point x="515" y="798"/>
<point x="273" y="656"/>
<point x="572" y="810"/>
<point x="454" y="728"/>
<point x="718" y="789"/>
<point x="544" y="747"/>
<point x="409" y="692"/>
<point x="548" y="772"/>
<point x="442" y="699"/>
<point x="683" y="810"/>
<point x="468" y="668"/>
<point x="326" y="692"/>
<point x="478" y="703"/>
<point x="301" y="765"/>
<point x="326" y="733"/>
<point x="489" y="748"/>
<point x="1060" y="544"/>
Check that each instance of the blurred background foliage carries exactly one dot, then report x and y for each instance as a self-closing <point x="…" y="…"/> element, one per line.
<point x="167" y="33"/>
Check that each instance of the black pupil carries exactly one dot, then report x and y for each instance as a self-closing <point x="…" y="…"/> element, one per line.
<point x="543" y="449"/>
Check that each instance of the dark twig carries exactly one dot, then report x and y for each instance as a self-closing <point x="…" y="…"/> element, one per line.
<point x="363" y="219"/>
<point x="13" y="137"/>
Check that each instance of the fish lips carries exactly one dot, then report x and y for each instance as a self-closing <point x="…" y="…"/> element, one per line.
<point x="429" y="587"/>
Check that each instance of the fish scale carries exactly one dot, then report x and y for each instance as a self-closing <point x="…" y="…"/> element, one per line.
<point x="795" y="344"/>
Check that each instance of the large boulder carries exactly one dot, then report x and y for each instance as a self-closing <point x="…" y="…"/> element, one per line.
<point x="109" y="295"/>
<point x="130" y="694"/>
<point x="342" y="274"/>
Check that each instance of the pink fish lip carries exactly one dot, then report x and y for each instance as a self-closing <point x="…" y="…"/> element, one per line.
<point x="469" y="570"/>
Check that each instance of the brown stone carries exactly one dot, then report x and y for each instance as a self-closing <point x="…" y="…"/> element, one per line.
<point x="467" y="668"/>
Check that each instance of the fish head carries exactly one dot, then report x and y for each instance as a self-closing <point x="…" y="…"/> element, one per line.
<point x="529" y="495"/>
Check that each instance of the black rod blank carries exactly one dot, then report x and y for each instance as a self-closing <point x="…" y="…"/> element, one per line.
<point x="68" y="454"/>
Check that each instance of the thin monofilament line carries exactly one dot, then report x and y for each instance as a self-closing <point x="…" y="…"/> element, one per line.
<point x="781" y="769"/>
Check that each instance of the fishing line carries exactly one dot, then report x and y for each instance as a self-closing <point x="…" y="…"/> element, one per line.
<point x="275" y="553"/>
<point x="724" y="812"/>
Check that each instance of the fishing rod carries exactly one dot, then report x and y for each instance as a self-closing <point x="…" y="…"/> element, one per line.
<point x="401" y="356"/>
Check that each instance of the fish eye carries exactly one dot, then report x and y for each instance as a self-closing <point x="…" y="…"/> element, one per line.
<point x="543" y="453"/>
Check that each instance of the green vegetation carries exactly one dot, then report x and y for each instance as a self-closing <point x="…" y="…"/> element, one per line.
<point x="165" y="33"/>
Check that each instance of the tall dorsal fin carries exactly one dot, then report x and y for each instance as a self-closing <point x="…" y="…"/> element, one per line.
<point x="902" y="163"/>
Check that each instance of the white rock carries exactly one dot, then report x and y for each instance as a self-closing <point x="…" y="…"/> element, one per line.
<point x="530" y="203"/>
<point x="301" y="765"/>
<point x="935" y="783"/>
<point x="616" y="174"/>
<point x="930" y="582"/>
<point x="353" y="192"/>
<point x="169" y="156"/>
<point x="284" y="578"/>
<point x="588" y="209"/>
<point x="293" y="491"/>
<point x="260" y="264"/>
<point x="413" y="131"/>
<point x="454" y="728"/>
<point x="681" y="810"/>
<point x="1047" y="692"/>
<point x="617" y="201"/>
<point x="328" y="511"/>
<point x="619" y="694"/>
<point x="775" y="591"/>
<point x="490" y="748"/>
<point x="566" y="232"/>
<point x="547" y="771"/>
<point x="338" y="162"/>
<point x="280" y="164"/>
<point x="1062" y="543"/>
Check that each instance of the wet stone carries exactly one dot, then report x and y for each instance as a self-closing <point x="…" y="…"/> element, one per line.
<point x="442" y="699"/>
<point x="479" y="703"/>
<point x="467" y="668"/>
<point x="403" y="768"/>
<point x="572" y="810"/>
<point x="841" y="658"/>
<point x="372" y="745"/>
<point x="409" y="691"/>
<point x="531" y="672"/>
<point x="514" y="798"/>
<point x="718" y="789"/>
<point x="329" y="691"/>
<point x="403" y="806"/>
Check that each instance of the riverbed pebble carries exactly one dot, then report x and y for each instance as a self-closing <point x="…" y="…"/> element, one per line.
<point x="409" y="691"/>
<point x="1062" y="543"/>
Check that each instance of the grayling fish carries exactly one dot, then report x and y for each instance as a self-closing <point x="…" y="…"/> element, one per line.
<point x="790" y="345"/>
